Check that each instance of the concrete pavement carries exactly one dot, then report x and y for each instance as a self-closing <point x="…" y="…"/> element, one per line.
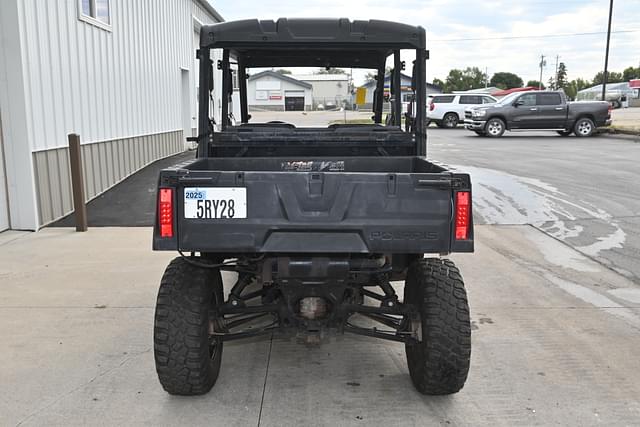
<point x="554" y="342"/>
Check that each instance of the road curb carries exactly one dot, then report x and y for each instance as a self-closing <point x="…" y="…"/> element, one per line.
<point x="627" y="135"/>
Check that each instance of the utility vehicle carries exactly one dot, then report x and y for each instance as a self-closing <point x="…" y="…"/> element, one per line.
<point x="314" y="224"/>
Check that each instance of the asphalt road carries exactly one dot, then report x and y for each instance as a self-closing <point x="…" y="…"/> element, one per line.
<point x="581" y="191"/>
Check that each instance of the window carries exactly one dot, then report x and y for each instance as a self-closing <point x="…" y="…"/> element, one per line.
<point x="443" y="99"/>
<point x="549" y="99"/>
<point x="97" y="12"/>
<point x="488" y="100"/>
<point x="470" y="99"/>
<point x="407" y="97"/>
<point x="527" y="100"/>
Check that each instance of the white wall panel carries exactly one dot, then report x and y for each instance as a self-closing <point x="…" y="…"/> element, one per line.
<point x="105" y="84"/>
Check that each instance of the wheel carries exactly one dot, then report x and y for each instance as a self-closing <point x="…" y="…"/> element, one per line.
<point x="440" y="124"/>
<point x="439" y="363"/>
<point x="584" y="127"/>
<point x="187" y="358"/>
<point x="564" y="132"/>
<point x="494" y="128"/>
<point x="450" y="120"/>
<point x="480" y="133"/>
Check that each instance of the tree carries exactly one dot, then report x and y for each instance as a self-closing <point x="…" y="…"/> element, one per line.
<point x="561" y="80"/>
<point x="283" y="71"/>
<point x="371" y="75"/>
<point x="505" y="80"/>
<point x="612" y="78"/>
<point x="331" y="71"/>
<point x="469" y="78"/>
<point x="630" y="73"/>
<point x="535" y="83"/>
<point x="574" y="86"/>
<point x="439" y="83"/>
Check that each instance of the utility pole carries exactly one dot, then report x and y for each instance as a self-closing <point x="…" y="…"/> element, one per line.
<point x="605" y="75"/>
<point x="556" y="81"/>
<point x="542" y="64"/>
<point x="486" y="77"/>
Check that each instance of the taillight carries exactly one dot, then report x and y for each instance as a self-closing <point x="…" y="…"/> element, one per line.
<point x="432" y="106"/>
<point x="165" y="212"/>
<point x="462" y="215"/>
<point x="609" y="110"/>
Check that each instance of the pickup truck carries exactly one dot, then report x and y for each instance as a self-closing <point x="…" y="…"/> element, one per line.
<point x="538" y="110"/>
<point x="314" y="223"/>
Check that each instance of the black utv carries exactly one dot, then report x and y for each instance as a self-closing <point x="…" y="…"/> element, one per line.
<point x="315" y="223"/>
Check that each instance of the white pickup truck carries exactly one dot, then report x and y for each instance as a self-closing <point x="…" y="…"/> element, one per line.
<point x="447" y="110"/>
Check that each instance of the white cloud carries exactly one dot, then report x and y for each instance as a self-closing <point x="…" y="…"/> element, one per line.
<point x="456" y="19"/>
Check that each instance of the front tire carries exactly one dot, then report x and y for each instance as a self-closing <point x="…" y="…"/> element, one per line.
<point x="187" y="358"/>
<point x="450" y="120"/>
<point x="584" y="127"/>
<point x="495" y="128"/>
<point x="439" y="363"/>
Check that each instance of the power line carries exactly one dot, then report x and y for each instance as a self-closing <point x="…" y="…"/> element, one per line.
<point x="543" y="36"/>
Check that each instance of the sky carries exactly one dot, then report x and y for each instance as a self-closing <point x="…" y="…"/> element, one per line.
<point x="495" y="22"/>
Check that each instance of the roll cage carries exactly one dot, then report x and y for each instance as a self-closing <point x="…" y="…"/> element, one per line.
<point x="323" y="43"/>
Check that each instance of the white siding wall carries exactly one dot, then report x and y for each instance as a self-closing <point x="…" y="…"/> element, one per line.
<point x="103" y="84"/>
<point x="284" y="86"/>
<point x="108" y="85"/>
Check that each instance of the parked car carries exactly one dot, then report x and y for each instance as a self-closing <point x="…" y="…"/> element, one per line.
<point x="538" y="110"/>
<point x="447" y="110"/>
<point x="312" y="220"/>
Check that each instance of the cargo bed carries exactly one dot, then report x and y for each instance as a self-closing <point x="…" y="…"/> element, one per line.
<point x="317" y="205"/>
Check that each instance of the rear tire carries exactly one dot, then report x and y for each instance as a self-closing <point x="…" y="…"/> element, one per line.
<point x="584" y="127"/>
<point x="494" y="128"/>
<point x="439" y="363"/>
<point x="187" y="360"/>
<point x="450" y="120"/>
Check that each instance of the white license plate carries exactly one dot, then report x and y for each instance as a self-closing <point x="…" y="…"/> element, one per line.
<point x="215" y="202"/>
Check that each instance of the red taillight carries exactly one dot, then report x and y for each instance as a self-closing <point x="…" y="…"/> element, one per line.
<point x="165" y="212"/>
<point x="432" y="106"/>
<point x="462" y="215"/>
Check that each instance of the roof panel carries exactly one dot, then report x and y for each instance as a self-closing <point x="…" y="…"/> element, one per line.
<point x="324" y="33"/>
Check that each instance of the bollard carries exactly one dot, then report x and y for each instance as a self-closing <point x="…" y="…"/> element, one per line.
<point x="77" y="182"/>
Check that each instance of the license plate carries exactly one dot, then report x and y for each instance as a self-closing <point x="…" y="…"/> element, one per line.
<point x="215" y="202"/>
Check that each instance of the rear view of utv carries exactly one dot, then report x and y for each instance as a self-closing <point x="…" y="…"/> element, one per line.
<point x="313" y="228"/>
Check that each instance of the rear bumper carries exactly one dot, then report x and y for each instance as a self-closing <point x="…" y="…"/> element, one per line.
<point x="474" y="124"/>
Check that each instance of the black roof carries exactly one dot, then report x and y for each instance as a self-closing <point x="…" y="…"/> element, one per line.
<point x="312" y="42"/>
<point x="281" y="77"/>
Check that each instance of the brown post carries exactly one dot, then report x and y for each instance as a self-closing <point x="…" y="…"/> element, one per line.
<point x="77" y="182"/>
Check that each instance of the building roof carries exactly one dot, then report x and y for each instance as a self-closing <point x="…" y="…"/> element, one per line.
<point x="506" y="92"/>
<point x="207" y="6"/>
<point x="321" y="77"/>
<point x="283" y="77"/>
<point x="624" y="86"/>
<point x="371" y="83"/>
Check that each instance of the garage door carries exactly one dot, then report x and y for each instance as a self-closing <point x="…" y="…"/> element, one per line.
<point x="4" y="207"/>
<point x="294" y="100"/>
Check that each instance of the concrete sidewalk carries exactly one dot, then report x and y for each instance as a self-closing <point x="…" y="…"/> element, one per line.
<point x="555" y="341"/>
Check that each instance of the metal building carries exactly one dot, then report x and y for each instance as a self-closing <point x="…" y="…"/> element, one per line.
<point x="121" y="73"/>
<point x="272" y="91"/>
